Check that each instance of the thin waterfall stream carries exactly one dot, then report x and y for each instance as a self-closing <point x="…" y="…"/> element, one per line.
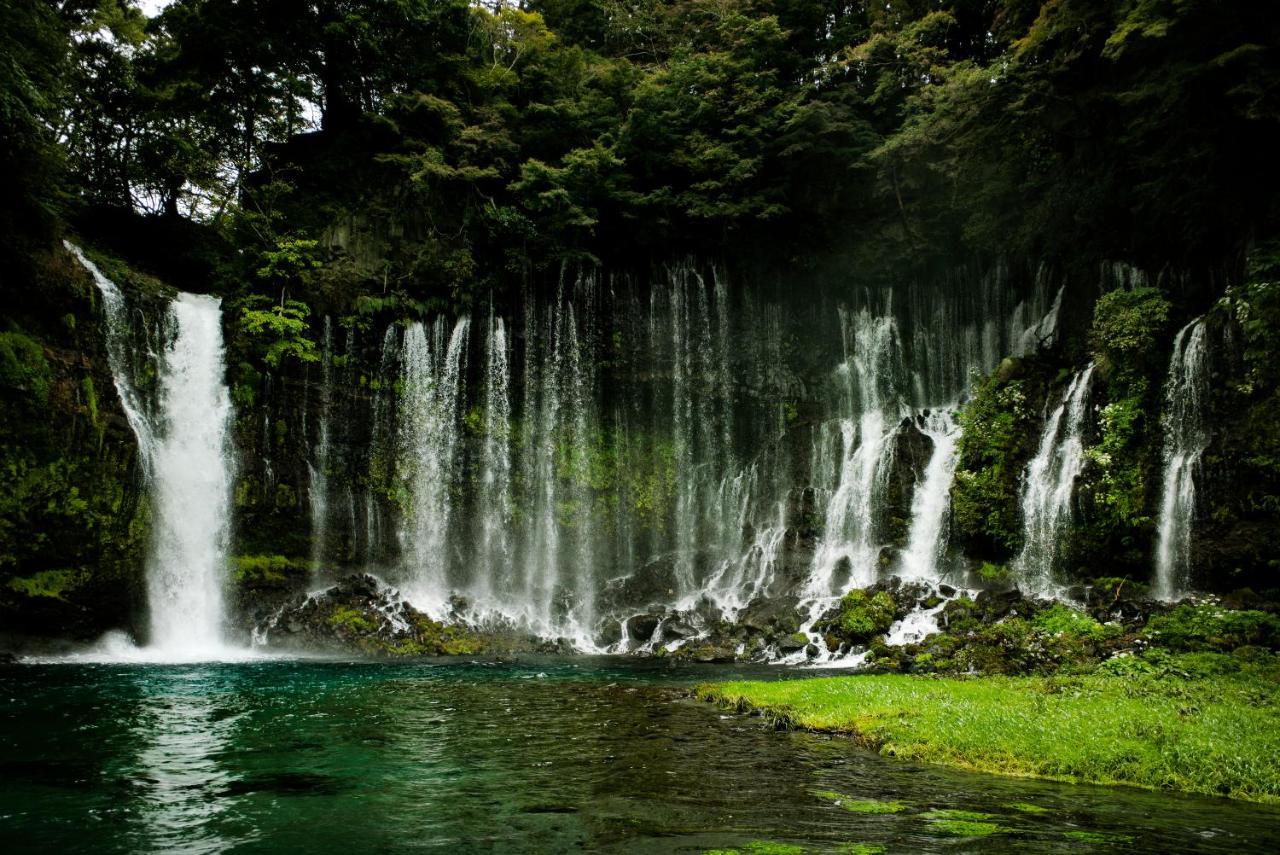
<point x="1186" y="436"/>
<point x="1049" y="485"/>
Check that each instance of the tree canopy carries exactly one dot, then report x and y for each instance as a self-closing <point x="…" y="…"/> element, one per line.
<point x="438" y="149"/>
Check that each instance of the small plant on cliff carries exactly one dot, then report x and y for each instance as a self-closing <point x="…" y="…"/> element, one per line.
<point x="278" y="330"/>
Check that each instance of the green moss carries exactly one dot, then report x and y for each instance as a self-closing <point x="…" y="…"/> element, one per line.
<point x="992" y="573"/>
<point x="759" y="847"/>
<point x="1097" y="837"/>
<point x="1117" y="587"/>
<point x="351" y="619"/>
<point x="24" y="368"/>
<point x="949" y="813"/>
<point x="1129" y="327"/>
<point x="863" y="616"/>
<point x="966" y="828"/>
<point x="861" y="805"/>
<point x="1064" y="620"/>
<point x="91" y="403"/>
<point x="863" y="849"/>
<point x="1026" y="807"/>
<point x="999" y="424"/>
<point x="286" y="497"/>
<point x="268" y="571"/>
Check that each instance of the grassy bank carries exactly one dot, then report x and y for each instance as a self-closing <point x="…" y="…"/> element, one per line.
<point x="1201" y="723"/>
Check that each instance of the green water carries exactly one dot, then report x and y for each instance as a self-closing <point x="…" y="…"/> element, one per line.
<point x="530" y="756"/>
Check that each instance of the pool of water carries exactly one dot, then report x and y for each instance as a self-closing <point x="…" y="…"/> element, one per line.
<point x="533" y="755"/>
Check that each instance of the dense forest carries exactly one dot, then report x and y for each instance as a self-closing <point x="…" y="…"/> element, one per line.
<point x="335" y="169"/>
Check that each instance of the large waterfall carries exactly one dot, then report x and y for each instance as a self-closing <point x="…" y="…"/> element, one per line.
<point x="1049" y="485"/>
<point x="184" y="442"/>
<point x="674" y="444"/>
<point x="1186" y="435"/>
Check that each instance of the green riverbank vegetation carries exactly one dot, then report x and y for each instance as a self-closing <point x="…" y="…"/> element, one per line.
<point x="1197" y="722"/>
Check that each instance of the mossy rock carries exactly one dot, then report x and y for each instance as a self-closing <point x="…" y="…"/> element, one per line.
<point x="861" y="616"/>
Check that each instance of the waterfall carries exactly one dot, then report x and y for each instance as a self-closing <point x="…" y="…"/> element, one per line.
<point x="931" y="501"/>
<point x="382" y="449"/>
<point x="493" y="496"/>
<point x="1186" y="395"/>
<point x="121" y="358"/>
<point x="432" y="370"/>
<point x="561" y="424"/>
<point x="1049" y="483"/>
<point x="702" y="419"/>
<point x="192" y="472"/>
<point x="870" y="376"/>
<point x="318" y="466"/>
<point x="187" y="458"/>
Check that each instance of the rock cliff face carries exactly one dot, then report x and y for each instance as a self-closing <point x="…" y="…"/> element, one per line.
<point x="72" y="517"/>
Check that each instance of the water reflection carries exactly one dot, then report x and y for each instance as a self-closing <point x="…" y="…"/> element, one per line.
<point x="180" y="785"/>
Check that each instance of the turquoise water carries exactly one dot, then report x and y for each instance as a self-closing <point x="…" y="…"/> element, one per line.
<point x="536" y="755"/>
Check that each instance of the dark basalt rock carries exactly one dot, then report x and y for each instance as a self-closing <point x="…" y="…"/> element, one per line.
<point x="705" y="651"/>
<point x="640" y="627"/>
<point x="674" y="630"/>
<point x="360" y="614"/>
<point x="793" y="642"/>
<point x="653" y="583"/>
<point x="909" y="453"/>
<point x="771" y="617"/>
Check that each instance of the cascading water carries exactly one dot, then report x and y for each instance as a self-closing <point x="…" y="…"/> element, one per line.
<point x="637" y="449"/>
<point x="494" y="576"/>
<point x="430" y="425"/>
<point x="318" y="467"/>
<point x="1186" y="395"/>
<point x="926" y="539"/>
<point x="192" y="483"/>
<point x="121" y="358"/>
<point x="189" y="464"/>
<point x="871" y="377"/>
<point x="1049" y="484"/>
<point x="557" y="549"/>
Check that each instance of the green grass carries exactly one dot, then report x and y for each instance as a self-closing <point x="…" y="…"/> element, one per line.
<point x="1187" y="726"/>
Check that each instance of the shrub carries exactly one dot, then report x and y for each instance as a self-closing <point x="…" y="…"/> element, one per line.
<point x="1208" y="626"/>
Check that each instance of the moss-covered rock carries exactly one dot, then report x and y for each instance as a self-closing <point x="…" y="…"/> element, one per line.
<point x="860" y="616"/>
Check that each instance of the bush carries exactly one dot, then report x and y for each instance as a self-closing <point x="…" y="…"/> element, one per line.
<point x="1064" y="620"/>
<point x="1128" y="329"/>
<point x="1210" y="627"/>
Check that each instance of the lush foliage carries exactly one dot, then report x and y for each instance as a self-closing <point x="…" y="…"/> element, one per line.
<point x="436" y="149"/>
<point x="999" y="429"/>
